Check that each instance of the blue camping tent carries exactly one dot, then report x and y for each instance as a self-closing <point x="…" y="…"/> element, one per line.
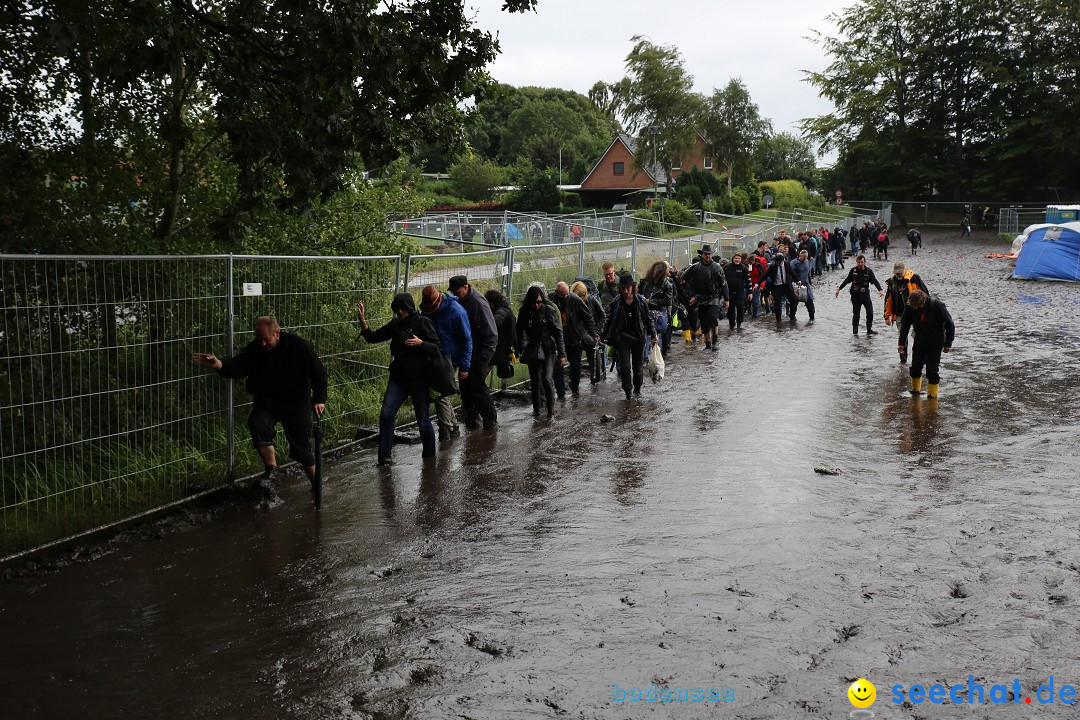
<point x="1051" y="253"/>
<point x="512" y="232"/>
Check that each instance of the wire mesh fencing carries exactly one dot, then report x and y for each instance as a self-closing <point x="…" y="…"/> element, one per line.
<point x="102" y="413"/>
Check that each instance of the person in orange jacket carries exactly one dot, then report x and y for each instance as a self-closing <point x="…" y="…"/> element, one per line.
<point x="897" y="290"/>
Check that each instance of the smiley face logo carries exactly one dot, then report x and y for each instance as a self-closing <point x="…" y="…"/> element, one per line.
<point x="862" y="693"/>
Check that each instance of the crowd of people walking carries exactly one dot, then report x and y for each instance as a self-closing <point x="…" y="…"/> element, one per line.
<point x="458" y="334"/>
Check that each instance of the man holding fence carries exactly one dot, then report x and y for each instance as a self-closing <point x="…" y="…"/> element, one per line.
<point x="287" y="382"/>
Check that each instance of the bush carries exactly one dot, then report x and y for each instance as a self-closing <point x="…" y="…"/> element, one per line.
<point x="475" y="178"/>
<point x="741" y="200"/>
<point x="753" y="191"/>
<point x="570" y="201"/>
<point x="675" y="213"/>
<point x="690" y="195"/>
<point x="645" y="224"/>
<point x="787" y="194"/>
<point x="726" y="205"/>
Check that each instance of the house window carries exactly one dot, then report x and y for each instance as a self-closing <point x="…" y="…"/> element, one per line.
<point x="676" y="164"/>
<point x="618" y="168"/>
<point x="708" y="163"/>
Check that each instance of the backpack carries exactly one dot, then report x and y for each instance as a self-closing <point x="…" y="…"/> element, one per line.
<point x="590" y="285"/>
<point x="914" y="236"/>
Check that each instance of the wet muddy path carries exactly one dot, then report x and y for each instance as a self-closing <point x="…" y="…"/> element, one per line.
<point x="689" y="543"/>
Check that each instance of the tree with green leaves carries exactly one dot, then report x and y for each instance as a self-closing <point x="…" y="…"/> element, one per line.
<point x="656" y="102"/>
<point x="733" y="127"/>
<point x="475" y="178"/>
<point x="950" y="98"/>
<point x="784" y="156"/>
<point x="188" y="119"/>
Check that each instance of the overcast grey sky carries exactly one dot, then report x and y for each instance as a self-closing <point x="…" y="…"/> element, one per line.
<point x="573" y="43"/>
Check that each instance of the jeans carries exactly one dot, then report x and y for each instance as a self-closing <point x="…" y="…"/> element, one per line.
<point x="396" y="393"/>
<point x="735" y="313"/>
<point x="573" y="369"/>
<point x="540" y="375"/>
<point x="755" y="301"/>
<point x="444" y="410"/>
<point x="476" y="396"/>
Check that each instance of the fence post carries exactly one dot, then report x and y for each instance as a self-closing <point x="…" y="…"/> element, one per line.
<point x="230" y="414"/>
<point x="509" y="272"/>
<point x="581" y="256"/>
<point x="408" y="268"/>
<point x="633" y="257"/>
<point x="397" y="275"/>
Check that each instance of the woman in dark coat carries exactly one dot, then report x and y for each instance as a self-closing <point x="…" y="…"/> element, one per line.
<point x="505" y="324"/>
<point x="539" y="343"/>
<point x="412" y="337"/>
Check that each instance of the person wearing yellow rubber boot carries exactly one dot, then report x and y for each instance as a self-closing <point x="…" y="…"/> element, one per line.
<point x="934" y="333"/>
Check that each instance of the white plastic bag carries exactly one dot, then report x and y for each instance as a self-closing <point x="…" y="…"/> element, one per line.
<point x="656" y="363"/>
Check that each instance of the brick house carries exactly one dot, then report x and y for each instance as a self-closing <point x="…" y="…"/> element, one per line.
<point x="615" y="178"/>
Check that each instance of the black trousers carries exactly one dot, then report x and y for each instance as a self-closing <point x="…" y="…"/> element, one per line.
<point x="295" y="421"/>
<point x="780" y="292"/>
<point x="735" y="314"/>
<point x="858" y="301"/>
<point x="476" y="396"/>
<point x="631" y="355"/>
<point x="930" y="356"/>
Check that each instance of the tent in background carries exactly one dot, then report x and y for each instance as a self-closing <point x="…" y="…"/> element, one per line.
<point x="1051" y="253"/>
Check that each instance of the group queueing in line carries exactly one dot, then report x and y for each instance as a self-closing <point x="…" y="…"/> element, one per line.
<point x="474" y="332"/>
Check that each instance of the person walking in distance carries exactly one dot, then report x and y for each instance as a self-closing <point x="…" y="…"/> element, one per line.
<point x="287" y="382"/>
<point x="861" y="278"/>
<point x="475" y="394"/>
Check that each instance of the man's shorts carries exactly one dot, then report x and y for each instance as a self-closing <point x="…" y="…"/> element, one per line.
<point x="295" y="421"/>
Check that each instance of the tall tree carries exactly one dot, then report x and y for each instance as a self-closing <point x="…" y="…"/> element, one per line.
<point x="784" y="156"/>
<point x="733" y="127"/>
<point x="656" y="101"/>
<point x="289" y="97"/>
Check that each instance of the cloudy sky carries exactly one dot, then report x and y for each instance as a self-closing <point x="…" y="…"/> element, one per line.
<point x="573" y="43"/>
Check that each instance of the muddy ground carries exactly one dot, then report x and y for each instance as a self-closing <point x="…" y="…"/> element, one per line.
<point x="528" y="571"/>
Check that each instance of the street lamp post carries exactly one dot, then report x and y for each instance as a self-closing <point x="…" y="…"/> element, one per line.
<point x="654" y="130"/>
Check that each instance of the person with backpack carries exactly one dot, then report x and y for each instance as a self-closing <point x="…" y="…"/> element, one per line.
<point x="708" y="293"/>
<point x="934" y="334"/>
<point x="898" y="288"/>
<point x="836" y="246"/>
<point x="506" y="330"/>
<point x="802" y="269"/>
<point x="861" y="278"/>
<point x="659" y="293"/>
<point x="915" y="238"/>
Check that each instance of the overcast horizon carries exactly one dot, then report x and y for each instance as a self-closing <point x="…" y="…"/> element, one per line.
<point x="560" y="45"/>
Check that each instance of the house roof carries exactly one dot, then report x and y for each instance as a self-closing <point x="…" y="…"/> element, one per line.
<point x="656" y="172"/>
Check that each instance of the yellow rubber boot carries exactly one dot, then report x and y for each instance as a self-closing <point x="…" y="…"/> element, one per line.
<point x="916" y="386"/>
<point x="931" y="390"/>
<point x="686" y="335"/>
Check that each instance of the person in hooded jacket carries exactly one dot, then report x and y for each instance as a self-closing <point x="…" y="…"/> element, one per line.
<point x="540" y="344"/>
<point x="780" y="278"/>
<point x="505" y="325"/>
<point x="451" y="322"/>
<point x="412" y="337"/>
<point x="659" y="293"/>
<point x="934" y="334"/>
<point x="737" y="274"/>
<point x="629" y="327"/>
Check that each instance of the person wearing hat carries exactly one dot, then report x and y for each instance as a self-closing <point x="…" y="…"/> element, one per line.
<point x="411" y="337"/>
<point x="452" y="325"/>
<point x="708" y="290"/>
<point x="475" y="394"/>
<point x="898" y="288"/>
<point x="934" y="334"/>
<point x="629" y="324"/>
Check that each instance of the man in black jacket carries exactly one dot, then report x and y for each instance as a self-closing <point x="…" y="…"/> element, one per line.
<point x="287" y="382"/>
<point x="475" y="394"/>
<point x="861" y="278"/>
<point x="629" y="326"/>
<point x="737" y="276"/>
<point x="708" y="291"/>
<point x="934" y="333"/>
<point x="781" y="279"/>
<point x="579" y="333"/>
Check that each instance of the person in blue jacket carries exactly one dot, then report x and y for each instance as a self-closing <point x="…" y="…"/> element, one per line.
<point x="452" y="325"/>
